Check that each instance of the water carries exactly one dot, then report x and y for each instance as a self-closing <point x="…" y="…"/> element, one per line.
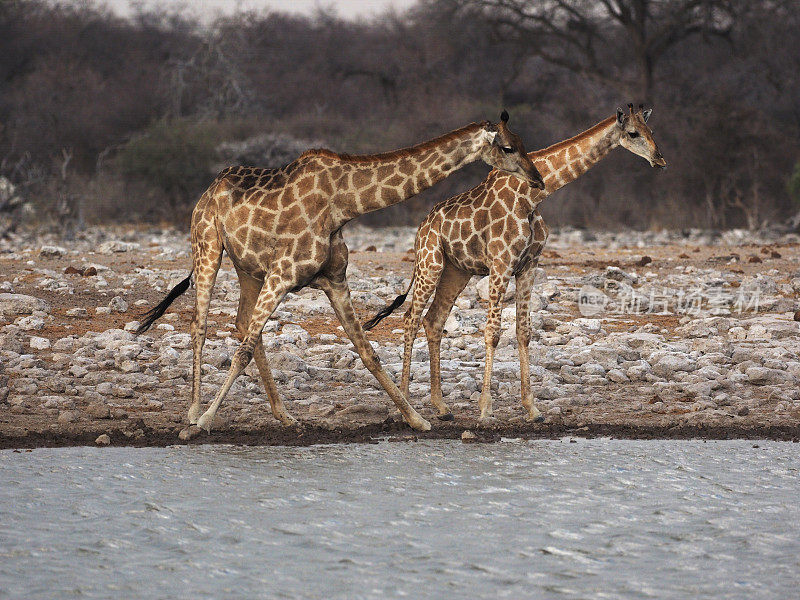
<point x="540" y="519"/>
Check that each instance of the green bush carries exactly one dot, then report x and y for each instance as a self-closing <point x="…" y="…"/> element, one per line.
<point x="173" y="157"/>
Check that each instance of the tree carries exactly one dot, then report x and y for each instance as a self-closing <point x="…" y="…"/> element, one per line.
<point x="617" y="43"/>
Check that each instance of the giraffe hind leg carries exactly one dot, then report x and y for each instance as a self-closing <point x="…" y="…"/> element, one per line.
<point x="249" y="289"/>
<point x="275" y="288"/>
<point x="426" y="279"/>
<point x="451" y="284"/>
<point x="499" y="277"/>
<point x="207" y="256"/>
<point x="338" y="293"/>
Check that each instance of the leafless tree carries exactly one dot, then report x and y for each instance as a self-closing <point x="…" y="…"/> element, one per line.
<point x="617" y="43"/>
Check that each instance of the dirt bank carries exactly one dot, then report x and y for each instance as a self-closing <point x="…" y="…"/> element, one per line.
<point x="695" y="338"/>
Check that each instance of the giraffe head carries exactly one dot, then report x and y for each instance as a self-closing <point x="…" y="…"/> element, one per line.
<point x="503" y="150"/>
<point x="636" y="136"/>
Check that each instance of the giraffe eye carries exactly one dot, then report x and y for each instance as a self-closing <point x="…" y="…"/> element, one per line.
<point x="633" y="134"/>
<point x="507" y="149"/>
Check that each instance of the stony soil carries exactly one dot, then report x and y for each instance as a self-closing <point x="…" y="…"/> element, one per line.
<point x="679" y="350"/>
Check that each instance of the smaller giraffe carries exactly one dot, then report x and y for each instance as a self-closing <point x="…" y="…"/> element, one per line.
<point x="495" y="229"/>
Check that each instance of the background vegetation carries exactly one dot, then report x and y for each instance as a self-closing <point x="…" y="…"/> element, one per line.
<point x="110" y="119"/>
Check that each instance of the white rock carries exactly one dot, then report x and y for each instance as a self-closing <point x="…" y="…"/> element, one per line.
<point x="64" y="344"/>
<point x="452" y="324"/>
<point x="116" y="246"/>
<point x="169" y="354"/>
<point x="639" y="371"/>
<point x="589" y="325"/>
<point x="708" y="372"/>
<point x="12" y="305"/>
<point x="764" y="376"/>
<point x="78" y="371"/>
<point x="463" y="303"/>
<point x="550" y="290"/>
<point x="607" y="356"/>
<point x="52" y="251"/>
<point x="67" y="416"/>
<point x="758" y="332"/>
<point x="39" y="343"/>
<point x="593" y="368"/>
<point x="118" y="304"/>
<point x="618" y="274"/>
<point x="668" y="365"/>
<point x="617" y="376"/>
<point x="30" y="323"/>
<point x="77" y="312"/>
<point x="537" y="303"/>
<point x="286" y="361"/>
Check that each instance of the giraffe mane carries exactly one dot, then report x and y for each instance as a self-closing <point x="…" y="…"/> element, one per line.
<point x="570" y="141"/>
<point x="395" y="154"/>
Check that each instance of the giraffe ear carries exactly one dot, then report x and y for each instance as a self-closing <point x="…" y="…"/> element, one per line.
<point x="620" y="117"/>
<point x="646" y="114"/>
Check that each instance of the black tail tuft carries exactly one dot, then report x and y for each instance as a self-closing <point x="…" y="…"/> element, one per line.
<point x="154" y="313"/>
<point x="385" y="312"/>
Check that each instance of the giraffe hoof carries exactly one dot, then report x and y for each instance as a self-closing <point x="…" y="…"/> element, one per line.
<point x="420" y="424"/>
<point x="194" y="414"/>
<point x="288" y="420"/>
<point x="535" y="416"/>
<point x="189" y="433"/>
<point x="446" y="417"/>
<point x="204" y="422"/>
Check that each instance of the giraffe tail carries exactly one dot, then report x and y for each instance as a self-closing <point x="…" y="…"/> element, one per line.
<point x="154" y="313"/>
<point x="385" y="312"/>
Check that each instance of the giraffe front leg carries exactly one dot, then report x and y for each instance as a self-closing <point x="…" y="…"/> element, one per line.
<point x="523" y="300"/>
<point x="276" y="402"/>
<point x="338" y="293"/>
<point x="435" y="351"/>
<point x="275" y="288"/>
<point x="498" y="283"/>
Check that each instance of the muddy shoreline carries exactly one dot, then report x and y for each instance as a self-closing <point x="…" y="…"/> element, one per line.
<point x="395" y="432"/>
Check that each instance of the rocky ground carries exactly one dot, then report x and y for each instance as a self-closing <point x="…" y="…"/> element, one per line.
<point x="676" y="335"/>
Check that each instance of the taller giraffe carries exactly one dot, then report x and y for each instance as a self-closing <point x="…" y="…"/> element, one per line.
<point x="495" y="229"/>
<point x="282" y="230"/>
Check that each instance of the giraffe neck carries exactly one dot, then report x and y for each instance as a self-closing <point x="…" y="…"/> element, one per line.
<point x="381" y="180"/>
<point x="566" y="161"/>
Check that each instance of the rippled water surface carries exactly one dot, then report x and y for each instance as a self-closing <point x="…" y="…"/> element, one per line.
<point x="539" y="519"/>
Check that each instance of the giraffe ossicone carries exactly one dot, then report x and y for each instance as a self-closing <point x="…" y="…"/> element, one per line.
<point x="496" y="229"/>
<point x="282" y="227"/>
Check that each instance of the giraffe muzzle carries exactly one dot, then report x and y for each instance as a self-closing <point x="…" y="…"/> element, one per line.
<point x="535" y="178"/>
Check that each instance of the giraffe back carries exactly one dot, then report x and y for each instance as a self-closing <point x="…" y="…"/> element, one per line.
<point x="495" y="220"/>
